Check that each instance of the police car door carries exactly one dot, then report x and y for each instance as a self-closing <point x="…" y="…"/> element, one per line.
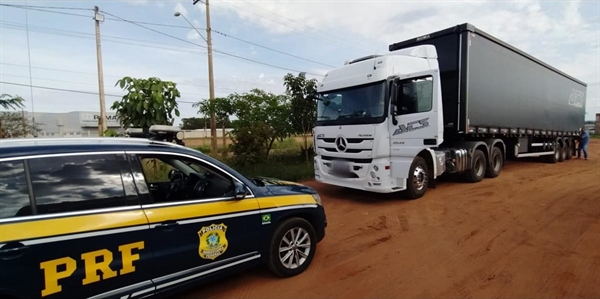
<point x="85" y="234"/>
<point x="195" y="222"/>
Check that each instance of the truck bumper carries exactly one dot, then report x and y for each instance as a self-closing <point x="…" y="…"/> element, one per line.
<point x="381" y="183"/>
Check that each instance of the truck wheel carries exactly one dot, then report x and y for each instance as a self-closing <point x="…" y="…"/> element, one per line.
<point x="418" y="179"/>
<point x="478" y="169"/>
<point x="292" y="247"/>
<point x="552" y="159"/>
<point x="569" y="150"/>
<point x="563" y="153"/>
<point x="496" y="163"/>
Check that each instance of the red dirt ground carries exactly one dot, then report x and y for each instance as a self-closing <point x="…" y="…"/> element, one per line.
<point x="533" y="232"/>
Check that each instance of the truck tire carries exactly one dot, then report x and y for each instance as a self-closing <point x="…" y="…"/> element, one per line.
<point x="569" y="150"/>
<point x="552" y="159"/>
<point x="418" y="179"/>
<point x="563" y="153"/>
<point x="287" y="259"/>
<point x="496" y="163"/>
<point x="478" y="168"/>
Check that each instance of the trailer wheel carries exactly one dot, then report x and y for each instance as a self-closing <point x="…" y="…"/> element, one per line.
<point x="563" y="152"/>
<point x="478" y="168"/>
<point x="552" y="159"/>
<point x="569" y="150"/>
<point x="418" y="179"/>
<point x="496" y="163"/>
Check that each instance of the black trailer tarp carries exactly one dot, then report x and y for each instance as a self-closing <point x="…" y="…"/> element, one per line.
<point x="488" y="83"/>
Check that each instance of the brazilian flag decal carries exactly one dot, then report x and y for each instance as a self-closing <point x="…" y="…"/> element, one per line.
<point x="266" y="218"/>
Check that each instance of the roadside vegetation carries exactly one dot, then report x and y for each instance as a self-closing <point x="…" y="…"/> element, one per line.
<point x="271" y="134"/>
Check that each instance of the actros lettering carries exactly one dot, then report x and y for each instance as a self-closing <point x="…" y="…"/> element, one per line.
<point x="412" y="126"/>
<point x="94" y="262"/>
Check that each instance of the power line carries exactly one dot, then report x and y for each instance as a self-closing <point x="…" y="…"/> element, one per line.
<point x="15" y="25"/>
<point x="74" y="91"/>
<point x="89" y="36"/>
<point x="271" y="49"/>
<point x="75" y="82"/>
<point x="48" y="11"/>
<point x="289" y="26"/>
<point x="217" y="51"/>
<point x="45" y="7"/>
<point x="93" y="74"/>
<point x="140" y="23"/>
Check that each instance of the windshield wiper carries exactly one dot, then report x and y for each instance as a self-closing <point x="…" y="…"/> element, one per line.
<point x="353" y="114"/>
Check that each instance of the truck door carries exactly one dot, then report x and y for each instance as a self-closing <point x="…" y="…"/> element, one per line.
<point x="416" y="114"/>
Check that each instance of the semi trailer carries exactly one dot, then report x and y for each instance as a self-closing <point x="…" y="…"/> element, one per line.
<point x="456" y="101"/>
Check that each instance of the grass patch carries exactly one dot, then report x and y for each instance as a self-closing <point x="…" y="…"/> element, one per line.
<point x="595" y="136"/>
<point x="285" y="161"/>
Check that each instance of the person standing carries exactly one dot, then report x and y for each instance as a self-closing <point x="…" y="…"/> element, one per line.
<point x="584" y="140"/>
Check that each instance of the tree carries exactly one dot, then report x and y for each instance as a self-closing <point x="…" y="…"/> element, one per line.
<point x="223" y="108"/>
<point x="15" y="125"/>
<point x="262" y="118"/>
<point x="303" y="107"/>
<point x="265" y="114"/>
<point x="195" y="123"/>
<point x="147" y="102"/>
<point x="9" y="102"/>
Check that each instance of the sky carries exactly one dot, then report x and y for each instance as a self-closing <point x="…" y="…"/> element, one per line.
<point x="256" y="43"/>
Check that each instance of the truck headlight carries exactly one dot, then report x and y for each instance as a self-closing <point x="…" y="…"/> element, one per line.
<point x="317" y="198"/>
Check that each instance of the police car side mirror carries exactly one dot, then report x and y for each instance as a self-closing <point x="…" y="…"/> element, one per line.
<point x="240" y="190"/>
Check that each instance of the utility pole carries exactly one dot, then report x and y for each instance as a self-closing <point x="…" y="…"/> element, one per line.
<point x="211" y="82"/>
<point x="102" y="121"/>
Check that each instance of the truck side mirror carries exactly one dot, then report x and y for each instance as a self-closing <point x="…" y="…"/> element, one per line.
<point x="395" y="87"/>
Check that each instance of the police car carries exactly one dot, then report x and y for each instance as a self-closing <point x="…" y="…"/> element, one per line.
<point x="136" y="217"/>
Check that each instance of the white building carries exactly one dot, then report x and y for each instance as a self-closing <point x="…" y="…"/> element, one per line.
<point x="73" y="124"/>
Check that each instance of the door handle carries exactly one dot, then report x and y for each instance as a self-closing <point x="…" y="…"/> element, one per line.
<point x="168" y="225"/>
<point x="12" y="250"/>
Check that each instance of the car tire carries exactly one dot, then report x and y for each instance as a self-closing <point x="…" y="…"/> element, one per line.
<point x="291" y="262"/>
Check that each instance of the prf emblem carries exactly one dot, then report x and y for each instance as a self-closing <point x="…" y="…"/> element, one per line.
<point x="213" y="241"/>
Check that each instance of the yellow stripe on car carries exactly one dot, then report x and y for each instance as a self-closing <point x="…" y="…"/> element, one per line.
<point x="69" y="225"/>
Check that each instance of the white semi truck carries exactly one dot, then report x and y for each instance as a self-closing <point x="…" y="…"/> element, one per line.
<point x="453" y="101"/>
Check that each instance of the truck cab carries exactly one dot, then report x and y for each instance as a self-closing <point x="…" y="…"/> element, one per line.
<point x="374" y="116"/>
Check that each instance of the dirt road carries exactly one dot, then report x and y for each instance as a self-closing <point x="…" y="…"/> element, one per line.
<point x="532" y="232"/>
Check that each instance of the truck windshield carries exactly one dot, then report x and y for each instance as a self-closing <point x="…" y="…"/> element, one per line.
<point x="359" y="104"/>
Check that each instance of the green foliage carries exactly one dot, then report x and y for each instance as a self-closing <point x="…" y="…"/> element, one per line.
<point x="14" y="125"/>
<point x="303" y="107"/>
<point x="9" y="102"/>
<point x="110" y="133"/>
<point x="147" y="102"/>
<point x="263" y="118"/>
<point x="194" y="123"/>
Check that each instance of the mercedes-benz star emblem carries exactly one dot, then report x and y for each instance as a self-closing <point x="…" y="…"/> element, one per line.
<point x="341" y="143"/>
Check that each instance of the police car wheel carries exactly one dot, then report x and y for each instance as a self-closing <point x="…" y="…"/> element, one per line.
<point x="292" y="247"/>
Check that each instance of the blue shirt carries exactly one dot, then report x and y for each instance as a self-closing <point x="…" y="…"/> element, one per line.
<point x="585" y="137"/>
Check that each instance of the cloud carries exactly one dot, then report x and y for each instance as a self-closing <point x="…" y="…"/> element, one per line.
<point x="261" y="76"/>
<point x="192" y="35"/>
<point x="181" y="9"/>
<point x="136" y="2"/>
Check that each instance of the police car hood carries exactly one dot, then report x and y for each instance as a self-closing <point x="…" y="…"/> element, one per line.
<point x="281" y="187"/>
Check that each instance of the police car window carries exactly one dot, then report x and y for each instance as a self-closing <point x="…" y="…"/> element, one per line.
<point x="76" y="183"/>
<point x="14" y="194"/>
<point x="174" y="178"/>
